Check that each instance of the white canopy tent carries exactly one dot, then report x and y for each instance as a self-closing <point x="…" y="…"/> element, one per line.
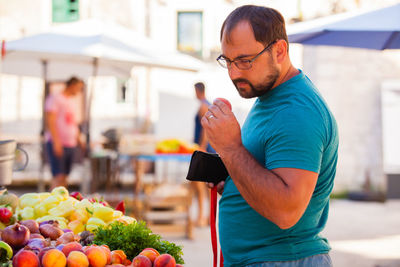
<point x="89" y="49"/>
<point x="73" y="48"/>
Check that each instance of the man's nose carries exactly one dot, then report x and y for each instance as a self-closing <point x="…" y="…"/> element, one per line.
<point x="234" y="72"/>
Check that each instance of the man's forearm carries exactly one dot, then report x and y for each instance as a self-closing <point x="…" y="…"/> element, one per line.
<point x="265" y="191"/>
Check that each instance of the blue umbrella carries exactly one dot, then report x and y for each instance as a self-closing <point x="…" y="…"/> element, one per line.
<point x="379" y="29"/>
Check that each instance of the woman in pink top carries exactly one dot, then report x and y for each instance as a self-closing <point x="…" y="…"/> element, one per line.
<point x="62" y="131"/>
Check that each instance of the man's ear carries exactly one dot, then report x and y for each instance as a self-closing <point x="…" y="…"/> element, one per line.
<point x="281" y="50"/>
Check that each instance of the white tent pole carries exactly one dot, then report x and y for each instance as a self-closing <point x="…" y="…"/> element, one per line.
<point x="147" y="122"/>
<point x="2" y="55"/>
<point x="41" y="185"/>
<point x="89" y="102"/>
<point x="1" y="81"/>
<point x="88" y="96"/>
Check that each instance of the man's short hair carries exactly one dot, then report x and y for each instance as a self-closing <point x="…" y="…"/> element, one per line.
<point x="73" y="80"/>
<point x="267" y="23"/>
<point x="200" y="87"/>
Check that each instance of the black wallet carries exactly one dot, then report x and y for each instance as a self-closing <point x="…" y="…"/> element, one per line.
<point x="206" y="167"/>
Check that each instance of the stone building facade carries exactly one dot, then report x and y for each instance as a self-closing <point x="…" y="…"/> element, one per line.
<point x="351" y="81"/>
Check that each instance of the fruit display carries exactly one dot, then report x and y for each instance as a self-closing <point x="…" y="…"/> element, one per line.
<point x="71" y="211"/>
<point x="59" y="229"/>
<point x="175" y="146"/>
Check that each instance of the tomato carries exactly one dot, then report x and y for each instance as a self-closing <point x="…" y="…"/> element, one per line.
<point x="5" y="215"/>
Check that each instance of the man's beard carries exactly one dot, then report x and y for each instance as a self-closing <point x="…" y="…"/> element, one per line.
<point x="258" y="90"/>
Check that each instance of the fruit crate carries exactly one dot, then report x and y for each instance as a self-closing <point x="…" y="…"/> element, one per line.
<point x="169" y="214"/>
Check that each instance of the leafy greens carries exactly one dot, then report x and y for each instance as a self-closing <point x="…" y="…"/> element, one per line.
<point x="133" y="238"/>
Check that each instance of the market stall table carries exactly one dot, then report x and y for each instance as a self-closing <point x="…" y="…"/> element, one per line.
<point x="139" y="161"/>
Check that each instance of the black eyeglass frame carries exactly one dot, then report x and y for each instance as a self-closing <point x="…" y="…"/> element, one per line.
<point x="221" y="59"/>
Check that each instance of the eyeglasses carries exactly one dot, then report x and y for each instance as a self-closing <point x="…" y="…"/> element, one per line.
<point x="242" y="64"/>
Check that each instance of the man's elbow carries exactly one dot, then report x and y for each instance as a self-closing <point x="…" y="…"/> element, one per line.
<point x="285" y="225"/>
<point x="287" y="220"/>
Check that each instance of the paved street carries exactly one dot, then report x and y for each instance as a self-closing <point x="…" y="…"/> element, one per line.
<point x="362" y="234"/>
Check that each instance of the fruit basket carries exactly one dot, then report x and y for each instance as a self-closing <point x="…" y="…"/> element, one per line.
<point x="60" y="229"/>
<point x="175" y="146"/>
<point x="135" y="144"/>
<point x="144" y="144"/>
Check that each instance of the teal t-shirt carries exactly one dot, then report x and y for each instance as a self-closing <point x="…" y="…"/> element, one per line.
<point x="288" y="127"/>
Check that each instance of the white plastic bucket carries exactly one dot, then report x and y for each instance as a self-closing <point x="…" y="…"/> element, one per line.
<point x="7" y="156"/>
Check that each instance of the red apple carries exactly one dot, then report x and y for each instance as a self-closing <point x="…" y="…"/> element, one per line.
<point x="225" y="101"/>
<point x="5" y="215"/>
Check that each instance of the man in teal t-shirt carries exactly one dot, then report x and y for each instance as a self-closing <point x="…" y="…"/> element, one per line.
<point x="282" y="162"/>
